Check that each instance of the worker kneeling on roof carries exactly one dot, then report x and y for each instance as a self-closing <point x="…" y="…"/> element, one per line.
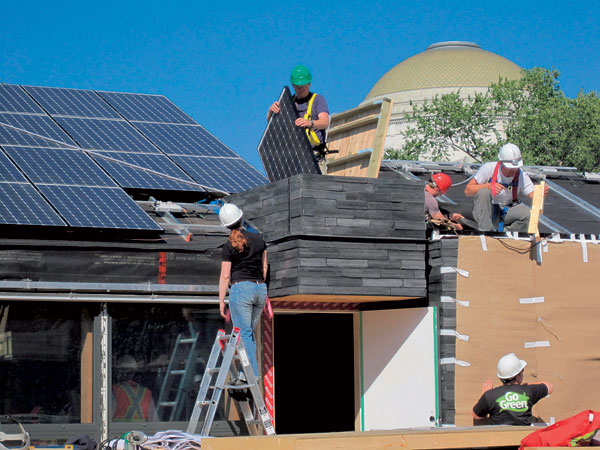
<point x="511" y="403"/>
<point x="439" y="185"/>
<point x="496" y="186"/>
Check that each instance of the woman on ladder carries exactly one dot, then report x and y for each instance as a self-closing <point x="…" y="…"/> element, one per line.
<point x="244" y="267"/>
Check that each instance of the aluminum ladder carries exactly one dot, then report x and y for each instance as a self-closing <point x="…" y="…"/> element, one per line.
<point x="229" y="349"/>
<point x="179" y="376"/>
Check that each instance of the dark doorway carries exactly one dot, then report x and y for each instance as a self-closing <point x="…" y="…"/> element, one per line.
<point x="314" y="373"/>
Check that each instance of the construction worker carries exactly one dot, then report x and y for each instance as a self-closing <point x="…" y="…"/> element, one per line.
<point x="438" y="185"/>
<point x="244" y="267"/>
<point x="511" y="403"/>
<point x="495" y="187"/>
<point x="131" y="402"/>
<point x="311" y="109"/>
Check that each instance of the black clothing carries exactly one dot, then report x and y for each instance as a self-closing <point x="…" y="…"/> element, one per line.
<point x="247" y="264"/>
<point x="510" y="404"/>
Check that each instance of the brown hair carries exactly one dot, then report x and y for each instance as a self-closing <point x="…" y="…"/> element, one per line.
<point x="238" y="240"/>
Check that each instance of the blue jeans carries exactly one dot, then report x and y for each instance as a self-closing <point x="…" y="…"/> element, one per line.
<point x="247" y="300"/>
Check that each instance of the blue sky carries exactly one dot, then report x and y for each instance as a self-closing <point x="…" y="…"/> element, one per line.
<point x="224" y="63"/>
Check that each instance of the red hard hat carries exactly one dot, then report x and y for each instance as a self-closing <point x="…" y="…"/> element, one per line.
<point x="443" y="181"/>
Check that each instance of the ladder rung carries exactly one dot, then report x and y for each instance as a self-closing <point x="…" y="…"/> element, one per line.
<point x="187" y="341"/>
<point x="203" y="403"/>
<point x="237" y="386"/>
<point x="177" y="372"/>
<point x="213" y="370"/>
<point x="167" y="403"/>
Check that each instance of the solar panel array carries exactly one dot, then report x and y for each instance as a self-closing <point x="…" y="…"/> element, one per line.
<point x="67" y="154"/>
<point x="284" y="148"/>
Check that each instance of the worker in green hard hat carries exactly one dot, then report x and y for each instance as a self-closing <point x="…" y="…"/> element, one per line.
<point x="311" y="109"/>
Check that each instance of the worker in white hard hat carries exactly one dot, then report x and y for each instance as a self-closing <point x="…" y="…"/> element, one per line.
<point x="496" y="186"/>
<point x="510" y="403"/>
<point x="131" y="402"/>
<point x="244" y="267"/>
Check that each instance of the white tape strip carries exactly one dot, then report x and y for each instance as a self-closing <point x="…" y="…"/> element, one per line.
<point x="572" y="237"/>
<point x="556" y="237"/>
<point x="483" y="244"/>
<point x="458" y="362"/>
<point x="535" y="344"/>
<point x="446" y="269"/>
<point x="448" y="299"/>
<point x="544" y="245"/>
<point x="583" y="247"/>
<point x="530" y="300"/>
<point x="593" y="238"/>
<point x="462" y="337"/>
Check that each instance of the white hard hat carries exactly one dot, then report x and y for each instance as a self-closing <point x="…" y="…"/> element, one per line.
<point x="230" y="214"/>
<point x="510" y="366"/>
<point x="510" y="156"/>
<point x="127" y="362"/>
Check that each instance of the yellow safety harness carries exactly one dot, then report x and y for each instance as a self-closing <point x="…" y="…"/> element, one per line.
<point x="313" y="138"/>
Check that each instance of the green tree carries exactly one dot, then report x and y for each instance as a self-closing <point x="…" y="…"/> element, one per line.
<point x="550" y="128"/>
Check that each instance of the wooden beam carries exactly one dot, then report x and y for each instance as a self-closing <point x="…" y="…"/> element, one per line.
<point x="338" y="298"/>
<point x="537" y="208"/>
<point x="366" y="154"/>
<point x="379" y="141"/>
<point x="369" y="120"/>
<point x="434" y="439"/>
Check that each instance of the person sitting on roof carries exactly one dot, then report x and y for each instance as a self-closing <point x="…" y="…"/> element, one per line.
<point x="131" y="402"/>
<point x="439" y="185"/>
<point x="511" y="403"/>
<point x="495" y="187"/>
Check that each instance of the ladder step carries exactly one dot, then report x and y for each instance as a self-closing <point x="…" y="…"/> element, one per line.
<point x="177" y="372"/>
<point x="167" y="403"/>
<point x="187" y="341"/>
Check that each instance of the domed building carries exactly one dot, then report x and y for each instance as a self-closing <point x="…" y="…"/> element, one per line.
<point x="442" y="68"/>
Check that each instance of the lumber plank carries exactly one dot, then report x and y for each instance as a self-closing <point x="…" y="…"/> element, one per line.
<point x="537" y="207"/>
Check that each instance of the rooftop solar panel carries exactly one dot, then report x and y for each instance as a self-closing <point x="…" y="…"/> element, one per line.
<point x="130" y="177"/>
<point x="227" y="174"/>
<point x="184" y="139"/>
<point x="97" y="134"/>
<point x="8" y="171"/>
<point x="93" y="207"/>
<point x="45" y="165"/>
<point x="21" y="204"/>
<point x="284" y="148"/>
<point x="146" y="108"/>
<point x="71" y="102"/>
<point x="35" y="125"/>
<point x="14" y="99"/>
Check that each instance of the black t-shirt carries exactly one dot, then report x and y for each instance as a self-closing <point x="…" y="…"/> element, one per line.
<point x="247" y="264"/>
<point x="510" y="404"/>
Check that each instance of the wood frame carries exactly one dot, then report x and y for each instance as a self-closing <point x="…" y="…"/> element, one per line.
<point x="358" y="135"/>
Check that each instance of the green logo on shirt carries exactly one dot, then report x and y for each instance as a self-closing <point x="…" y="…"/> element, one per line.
<point x="513" y="401"/>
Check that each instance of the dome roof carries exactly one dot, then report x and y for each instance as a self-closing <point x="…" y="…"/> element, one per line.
<point x="446" y="64"/>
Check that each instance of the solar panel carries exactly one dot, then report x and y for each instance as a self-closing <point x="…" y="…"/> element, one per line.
<point x="14" y="99"/>
<point x="8" y="171"/>
<point x="95" y="207"/>
<point x="129" y="177"/>
<point x="284" y="148"/>
<point x="146" y="108"/>
<point x="44" y="165"/>
<point x="41" y="125"/>
<point x="97" y="134"/>
<point x="184" y="139"/>
<point x="71" y="102"/>
<point x="227" y="174"/>
<point x="21" y="204"/>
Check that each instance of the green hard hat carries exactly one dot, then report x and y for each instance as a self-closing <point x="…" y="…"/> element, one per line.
<point x="300" y="75"/>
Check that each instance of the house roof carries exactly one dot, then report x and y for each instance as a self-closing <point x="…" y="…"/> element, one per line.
<point x="572" y="206"/>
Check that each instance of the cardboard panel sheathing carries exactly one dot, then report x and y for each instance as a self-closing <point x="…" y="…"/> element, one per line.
<point x="497" y="322"/>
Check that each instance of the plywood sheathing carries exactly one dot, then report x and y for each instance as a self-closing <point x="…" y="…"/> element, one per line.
<point x="358" y="135"/>
<point x="440" y="438"/>
<point x="497" y="323"/>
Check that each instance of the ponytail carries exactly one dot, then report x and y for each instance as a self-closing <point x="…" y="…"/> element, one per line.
<point x="238" y="240"/>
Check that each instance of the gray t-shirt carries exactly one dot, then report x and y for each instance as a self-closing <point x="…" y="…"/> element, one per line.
<point x="431" y="205"/>
<point x="319" y="106"/>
